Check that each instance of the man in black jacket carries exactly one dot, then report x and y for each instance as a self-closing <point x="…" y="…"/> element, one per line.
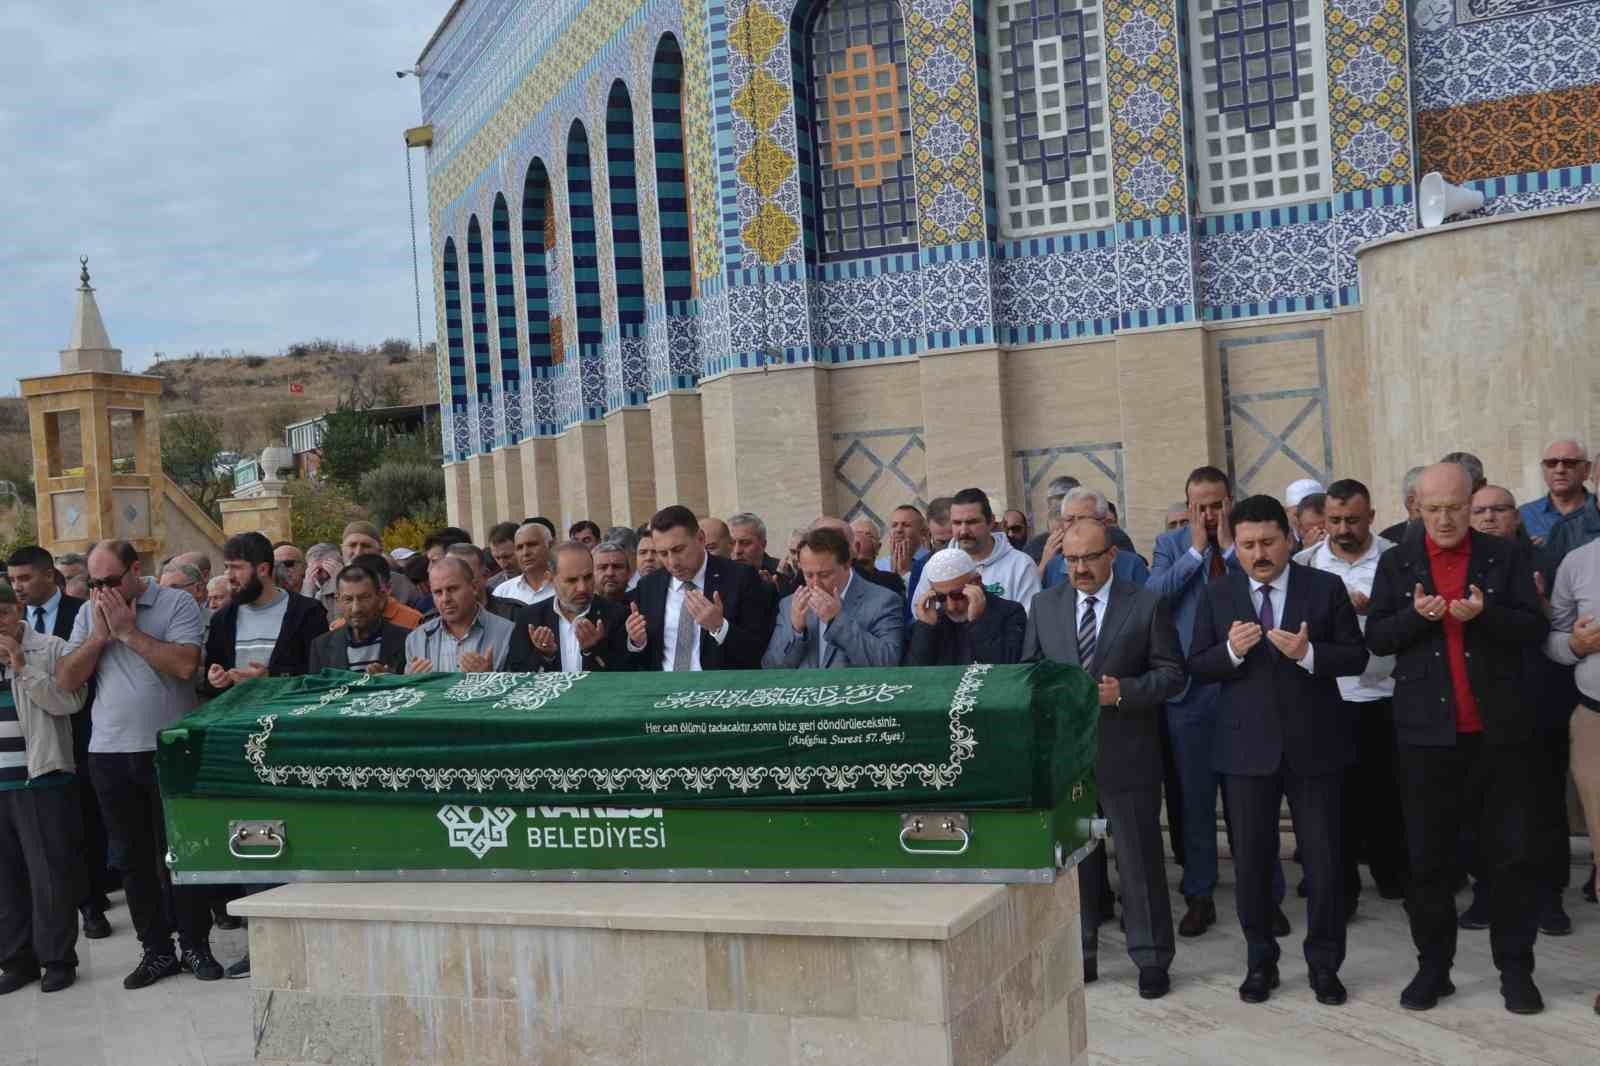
<point x="265" y="630"/>
<point x="1277" y="635"/>
<point x="366" y="642"/>
<point x="698" y="612"/>
<point x="576" y="631"/>
<point x="1123" y="635"/>
<point x="957" y="623"/>
<point x="1458" y="610"/>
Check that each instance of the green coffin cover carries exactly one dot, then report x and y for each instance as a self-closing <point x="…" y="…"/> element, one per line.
<point x="977" y="736"/>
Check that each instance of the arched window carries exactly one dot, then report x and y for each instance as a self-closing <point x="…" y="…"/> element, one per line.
<point x="863" y="191"/>
<point x="538" y="217"/>
<point x="627" y="258"/>
<point x="482" y="362"/>
<point x="1047" y="59"/>
<point x="1262" y="119"/>
<point x="585" y="257"/>
<point x="455" y="349"/>
<point x="672" y="187"/>
<point x="505" y="303"/>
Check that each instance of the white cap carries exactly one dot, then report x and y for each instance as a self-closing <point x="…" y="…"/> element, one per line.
<point x="1299" y="490"/>
<point x="947" y="564"/>
<point x="400" y="555"/>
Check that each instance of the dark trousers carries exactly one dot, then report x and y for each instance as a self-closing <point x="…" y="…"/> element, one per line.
<point x="1490" y="791"/>
<point x="1135" y="818"/>
<point x="99" y="878"/>
<point x="1555" y="755"/>
<point x="1172" y="790"/>
<point x="131" y="803"/>
<point x="1315" y="806"/>
<point x="41" y="877"/>
<point x="1374" y="827"/>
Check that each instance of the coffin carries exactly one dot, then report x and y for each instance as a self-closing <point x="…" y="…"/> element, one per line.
<point x="980" y="773"/>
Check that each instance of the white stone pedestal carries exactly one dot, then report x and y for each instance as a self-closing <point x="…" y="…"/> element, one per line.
<point x="658" y="975"/>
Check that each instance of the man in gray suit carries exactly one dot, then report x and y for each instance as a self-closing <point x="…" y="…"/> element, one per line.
<point x="835" y="619"/>
<point x="1124" y="637"/>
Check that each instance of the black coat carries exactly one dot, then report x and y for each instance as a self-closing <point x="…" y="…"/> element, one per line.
<point x="1497" y="642"/>
<point x="611" y="654"/>
<point x="996" y="637"/>
<point x="82" y="722"/>
<point x="303" y="622"/>
<point x="331" y="651"/>
<point x="66" y="616"/>
<point x="1273" y="714"/>
<point x="747" y="604"/>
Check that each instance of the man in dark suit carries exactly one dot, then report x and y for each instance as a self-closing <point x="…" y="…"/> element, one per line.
<point x="1277" y="636"/>
<point x="698" y="612"/>
<point x="1458" y="610"/>
<point x="47" y="609"/>
<point x="1124" y="637"/>
<point x="835" y="620"/>
<point x="366" y="642"/>
<point x="575" y="631"/>
<point x="265" y="630"/>
<point x="957" y="623"/>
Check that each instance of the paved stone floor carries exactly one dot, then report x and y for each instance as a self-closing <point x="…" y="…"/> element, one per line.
<point x="183" y="1022"/>
<point x="1202" y="1021"/>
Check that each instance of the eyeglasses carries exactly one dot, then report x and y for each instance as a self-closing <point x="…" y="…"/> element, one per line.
<point x="1570" y="464"/>
<point x="106" y="582"/>
<point x="1074" y="560"/>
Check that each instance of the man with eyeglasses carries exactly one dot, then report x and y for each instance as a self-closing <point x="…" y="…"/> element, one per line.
<point x="1086" y="505"/>
<point x="1494" y="511"/>
<point x="140" y="645"/>
<point x="1565" y="466"/>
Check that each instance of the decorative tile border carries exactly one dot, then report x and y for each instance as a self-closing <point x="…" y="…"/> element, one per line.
<point x="1142" y="70"/>
<point x="1369" y="111"/>
<point x="1539" y="132"/>
<point x="1535" y="52"/>
<point x="1258" y="271"/>
<point x="1484" y="10"/>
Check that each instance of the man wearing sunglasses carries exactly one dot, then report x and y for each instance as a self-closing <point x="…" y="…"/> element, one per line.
<point x="140" y="644"/>
<point x="1565" y="467"/>
<point x="957" y="623"/>
<point x="1569" y="531"/>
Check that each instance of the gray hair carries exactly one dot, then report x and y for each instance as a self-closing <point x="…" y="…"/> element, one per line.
<point x="1408" y="484"/>
<point x="1060" y="486"/>
<point x="625" y="538"/>
<point x="1102" y="506"/>
<point x="322" y="550"/>
<point x="190" y="573"/>
<point x="616" y="544"/>
<point x="745" y="518"/>
<point x="543" y="531"/>
<point x="220" y="579"/>
<point x="1467" y="461"/>
<point x="69" y="559"/>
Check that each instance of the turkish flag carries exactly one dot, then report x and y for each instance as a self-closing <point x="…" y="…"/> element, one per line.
<point x="296" y="389"/>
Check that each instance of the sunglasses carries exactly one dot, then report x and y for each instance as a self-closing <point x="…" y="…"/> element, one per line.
<point x="107" y="582"/>
<point x="1570" y="464"/>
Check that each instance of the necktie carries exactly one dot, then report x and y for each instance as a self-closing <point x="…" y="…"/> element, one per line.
<point x="688" y="633"/>
<point x="1268" y="618"/>
<point x="1086" y="640"/>
<point x="1216" y="567"/>
<point x="38" y="619"/>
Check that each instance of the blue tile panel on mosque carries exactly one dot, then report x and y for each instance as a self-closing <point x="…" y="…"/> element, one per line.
<point x="1511" y="55"/>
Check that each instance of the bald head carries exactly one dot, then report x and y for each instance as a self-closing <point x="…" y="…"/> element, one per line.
<point x="1444" y="495"/>
<point x="719" y="541"/>
<point x="1494" y="511"/>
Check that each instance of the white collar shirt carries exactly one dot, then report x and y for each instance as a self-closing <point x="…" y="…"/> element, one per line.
<point x="1280" y="596"/>
<point x="522" y="592"/>
<point x="675" y="615"/>
<point x="1375" y="682"/>
<point x="51" y="608"/>
<point x="567" y="634"/>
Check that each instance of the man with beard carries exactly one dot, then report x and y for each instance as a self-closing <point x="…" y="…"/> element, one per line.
<point x="1014" y="524"/>
<point x="1374" y="827"/>
<point x="613" y="571"/>
<point x="576" y="631"/>
<point x="1005" y="570"/>
<point x="1275" y="637"/>
<point x="264" y="630"/>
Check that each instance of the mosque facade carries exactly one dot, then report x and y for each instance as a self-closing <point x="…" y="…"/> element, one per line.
<point x="805" y="256"/>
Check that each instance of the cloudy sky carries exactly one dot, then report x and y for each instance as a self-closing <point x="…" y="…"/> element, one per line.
<point x="235" y="173"/>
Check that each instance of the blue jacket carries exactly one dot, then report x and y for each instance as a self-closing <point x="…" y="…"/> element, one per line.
<point x="1180" y="578"/>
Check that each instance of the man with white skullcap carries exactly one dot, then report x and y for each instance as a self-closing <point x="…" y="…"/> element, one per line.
<point x="1296" y="495"/>
<point x="956" y="622"/>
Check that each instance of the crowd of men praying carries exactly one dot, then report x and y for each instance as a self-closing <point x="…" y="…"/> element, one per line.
<point x="1419" y="695"/>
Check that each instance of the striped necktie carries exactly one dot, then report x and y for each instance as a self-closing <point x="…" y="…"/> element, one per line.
<point x="1086" y="638"/>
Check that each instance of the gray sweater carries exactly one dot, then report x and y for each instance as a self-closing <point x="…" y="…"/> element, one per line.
<point x="1576" y="593"/>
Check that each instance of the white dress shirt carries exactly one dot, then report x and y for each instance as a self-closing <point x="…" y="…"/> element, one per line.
<point x="1374" y="682"/>
<point x="567" y="638"/>
<point x="523" y="592"/>
<point x="676" y="614"/>
<point x="1102" y="596"/>
<point x="51" y="607"/>
<point x="1280" y="596"/>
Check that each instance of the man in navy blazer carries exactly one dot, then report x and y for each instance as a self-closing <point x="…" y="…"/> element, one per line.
<point x="836" y="619"/>
<point x="699" y="611"/>
<point x="1276" y="635"/>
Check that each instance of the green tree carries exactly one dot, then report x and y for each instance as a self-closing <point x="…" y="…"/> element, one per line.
<point x="402" y="490"/>
<point x="319" y="511"/>
<point x="352" y="443"/>
<point x="189" y="446"/>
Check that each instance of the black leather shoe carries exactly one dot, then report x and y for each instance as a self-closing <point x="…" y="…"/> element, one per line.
<point x="58" y="977"/>
<point x="1588" y="889"/>
<point x="1520" y="993"/>
<point x="1426" y="990"/>
<point x="1553" y="920"/>
<point x="1258" y="984"/>
<point x="1201" y="915"/>
<point x="95" y="926"/>
<point x="1154" y="982"/>
<point x="17" y="979"/>
<point x="1091" y="969"/>
<point x="1477" y="915"/>
<point x="153" y="966"/>
<point x="1329" y="989"/>
<point x="1280" y="923"/>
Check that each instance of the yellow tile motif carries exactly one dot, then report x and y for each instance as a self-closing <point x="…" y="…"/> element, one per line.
<point x="942" y="181"/>
<point x="1351" y="40"/>
<point x="770" y="232"/>
<point x="755" y="33"/>
<point x="700" y="146"/>
<point x="761" y="102"/>
<point x="1155" y="66"/>
<point x="765" y="166"/>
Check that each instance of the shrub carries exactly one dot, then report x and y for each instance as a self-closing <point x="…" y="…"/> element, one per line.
<point x="352" y="444"/>
<point x="254" y="361"/>
<point x="395" y="346"/>
<point x="411" y="531"/>
<point x="320" y="511"/>
<point x="400" y="490"/>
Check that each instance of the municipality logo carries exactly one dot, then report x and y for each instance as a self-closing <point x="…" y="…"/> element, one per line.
<point x="477" y="829"/>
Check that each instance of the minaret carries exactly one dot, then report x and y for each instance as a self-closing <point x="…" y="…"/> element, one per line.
<point x="89" y="347"/>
